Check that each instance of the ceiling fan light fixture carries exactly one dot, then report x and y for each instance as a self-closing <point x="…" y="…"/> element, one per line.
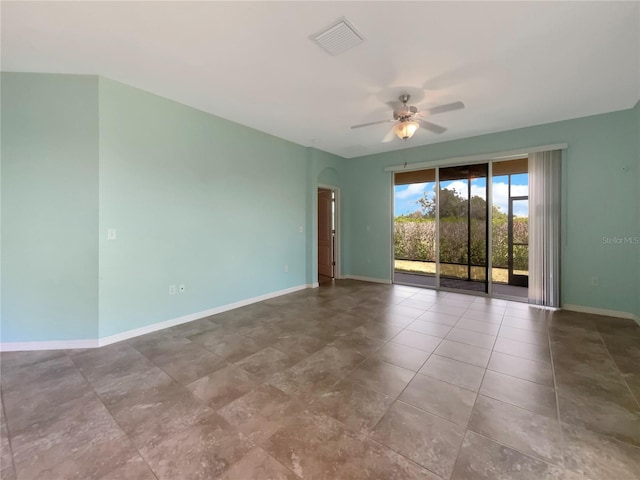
<point x="406" y="129"/>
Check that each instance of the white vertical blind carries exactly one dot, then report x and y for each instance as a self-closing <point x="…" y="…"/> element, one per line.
<point x="544" y="228"/>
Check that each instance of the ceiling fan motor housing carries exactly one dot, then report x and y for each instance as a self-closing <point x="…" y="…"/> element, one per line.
<point x="406" y="112"/>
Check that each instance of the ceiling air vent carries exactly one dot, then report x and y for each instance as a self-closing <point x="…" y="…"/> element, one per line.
<point x="338" y="37"/>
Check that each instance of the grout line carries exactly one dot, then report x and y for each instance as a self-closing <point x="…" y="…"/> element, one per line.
<point x="506" y="402"/>
<point x="9" y="436"/>
<point x="113" y="418"/>
<point x="396" y="399"/>
<point x="475" y="401"/>
<point x="555" y="392"/>
<point x="405" y="457"/>
<point x="449" y="383"/>
<point x="529" y="455"/>
<point x="618" y="369"/>
<point x="267" y="454"/>
<point x="484" y="373"/>
<point x="611" y="438"/>
<point x="517" y="378"/>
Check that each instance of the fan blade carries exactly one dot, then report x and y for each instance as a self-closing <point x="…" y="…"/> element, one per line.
<point x="370" y="123"/>
<point x="448" y="107"/>
<point x="389" y="136"/>
<point x="432" y="127"/>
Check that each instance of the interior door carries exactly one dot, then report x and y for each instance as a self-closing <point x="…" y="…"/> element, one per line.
<point x="325" y="232"/>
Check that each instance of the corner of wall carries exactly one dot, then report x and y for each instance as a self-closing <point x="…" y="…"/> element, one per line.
<point x="49" y="207"/>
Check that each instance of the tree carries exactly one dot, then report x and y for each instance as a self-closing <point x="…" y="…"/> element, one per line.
<point x="498" y="215"/>
<point x="452" y="205"/>
<point x="427" y="205"/>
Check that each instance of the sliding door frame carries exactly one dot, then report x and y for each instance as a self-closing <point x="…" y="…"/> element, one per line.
<point x="437" y="259"/>
<point x="490" y="228"/>
<point x="460" y="161"/>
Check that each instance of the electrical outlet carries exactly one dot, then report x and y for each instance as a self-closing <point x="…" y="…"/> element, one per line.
<point x="286" y="267"/>
<point x="595" y="282"/>
<point x="172" y="289"/>
<point x="301" y="229"/>
<point x="111" y="233"/>
<point x="181" y="288"/>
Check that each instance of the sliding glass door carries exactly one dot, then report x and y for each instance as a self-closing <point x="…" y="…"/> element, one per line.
<point x="444" y="220"/>
<point x="414" y="235"/>
<point x="519" y="241"/>
<point x="462" y="227"/>
<point x="510" y="228"/>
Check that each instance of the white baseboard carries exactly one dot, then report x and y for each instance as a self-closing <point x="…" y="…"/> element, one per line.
<point x="601" y="311"/>
<point x="368" y="279"/>
<point x="136" y="332"/>
<point x="48" y="345"/>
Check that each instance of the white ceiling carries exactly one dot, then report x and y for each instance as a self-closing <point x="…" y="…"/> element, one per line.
<point x="513" y="64"/>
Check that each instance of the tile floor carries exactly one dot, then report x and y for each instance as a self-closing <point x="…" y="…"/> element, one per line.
<point x="349" y="381"/>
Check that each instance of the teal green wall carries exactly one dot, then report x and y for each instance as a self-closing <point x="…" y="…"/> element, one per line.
<point x="601" y="200"/>
<point x="196" y="200"/>
<point x="49" y="207"/>
<point x="205" y="202"/>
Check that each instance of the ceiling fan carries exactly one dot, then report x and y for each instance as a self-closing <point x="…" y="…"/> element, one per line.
<point x="409" y="119"/>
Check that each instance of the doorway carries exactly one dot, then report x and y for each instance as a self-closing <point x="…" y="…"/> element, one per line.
<point x="326" y="235"/>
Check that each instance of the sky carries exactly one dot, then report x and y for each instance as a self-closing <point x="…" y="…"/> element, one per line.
<point x="406" y="196"/>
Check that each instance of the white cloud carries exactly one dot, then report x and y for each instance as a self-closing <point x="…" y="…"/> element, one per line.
<point x="459" y="187"/>
<point x="500" y="195"/>
<point x="412" y="190"/>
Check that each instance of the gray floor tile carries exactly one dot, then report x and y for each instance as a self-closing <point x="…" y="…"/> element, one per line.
<point x="428" y="440"/>
<point x="538" y="372"/>
<point x="402" y="356"/>
<point x="348" y="381"/>
<point x="599" y="457"/>
<point x="417" y="340"/>
<point x="536" y="435"/>
<point x="382" y="377"/>
<point x="483" y="459"/>
<point x="452" y="371"/>
<point x="471" y="338"/>
<point x="464" y="353"/>
<point x="448" y="401"/>
<point x="521" y="393"/>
